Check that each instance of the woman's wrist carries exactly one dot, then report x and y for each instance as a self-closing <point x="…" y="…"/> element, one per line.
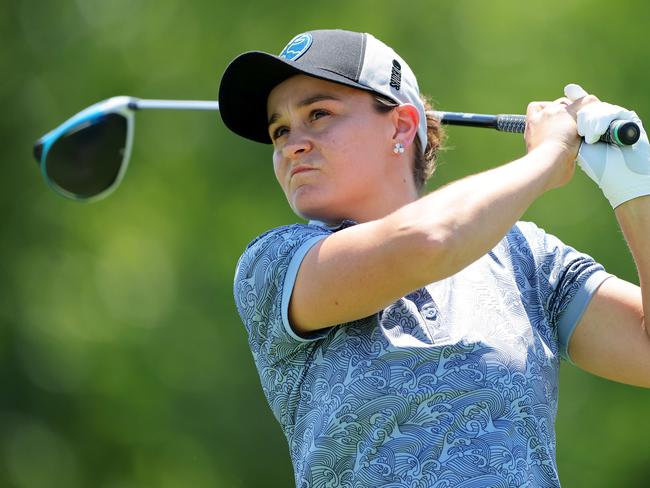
<point x="556" y="162"/>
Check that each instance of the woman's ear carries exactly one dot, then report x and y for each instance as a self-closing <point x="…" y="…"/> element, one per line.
<point x="406" y="119"/>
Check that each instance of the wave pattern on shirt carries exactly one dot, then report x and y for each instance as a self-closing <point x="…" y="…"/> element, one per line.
<point x="454" y="384"/>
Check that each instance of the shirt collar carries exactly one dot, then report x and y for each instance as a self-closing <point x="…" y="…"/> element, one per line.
<point x="342" y="225"/>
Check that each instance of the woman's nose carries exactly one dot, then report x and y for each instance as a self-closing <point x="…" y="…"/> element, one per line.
<point x="296" y="145"/>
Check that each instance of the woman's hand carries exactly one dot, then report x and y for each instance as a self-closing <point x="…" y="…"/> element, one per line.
<point x="622" y="172"/>
<point x="551" y="128"/>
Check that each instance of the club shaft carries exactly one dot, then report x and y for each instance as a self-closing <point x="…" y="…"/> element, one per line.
<point x="620" y="132"/>
<point x="468" y="119"/>
<point x="141" y="104"/>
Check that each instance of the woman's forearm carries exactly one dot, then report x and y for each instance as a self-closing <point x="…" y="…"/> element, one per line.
<point x="464" y="220"/>
<point x="634" y="218"/>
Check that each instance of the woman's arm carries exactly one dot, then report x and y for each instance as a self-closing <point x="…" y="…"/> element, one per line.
<point x="362" y="269"/>
<point x="612" y="339"/>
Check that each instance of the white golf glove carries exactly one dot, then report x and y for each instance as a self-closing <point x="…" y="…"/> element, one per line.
<point x="622" y="173"/>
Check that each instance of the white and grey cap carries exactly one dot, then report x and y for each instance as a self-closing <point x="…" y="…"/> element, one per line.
<point x="354" y="59"/>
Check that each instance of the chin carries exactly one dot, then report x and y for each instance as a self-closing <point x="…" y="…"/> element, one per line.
<point x="318" y="205"/>
<point x="308" y="204"/>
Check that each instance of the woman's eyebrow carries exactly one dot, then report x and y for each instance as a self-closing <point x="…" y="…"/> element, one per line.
<point x="307" y="101"/>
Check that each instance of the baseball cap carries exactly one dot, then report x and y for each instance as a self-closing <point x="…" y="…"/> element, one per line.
<point x="354" y="59"/>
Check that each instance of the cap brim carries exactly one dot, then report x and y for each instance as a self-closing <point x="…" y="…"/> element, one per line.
<point x="246" y="85"/>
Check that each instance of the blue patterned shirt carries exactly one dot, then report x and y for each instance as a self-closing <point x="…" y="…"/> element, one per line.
<point x="455" y="384"/>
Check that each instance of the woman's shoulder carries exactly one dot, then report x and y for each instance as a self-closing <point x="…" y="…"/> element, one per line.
<point x="525" y="233"/>
<point x="296" y="232"/>
<point x="527" y="228"/>
<point x="278" y="250"/>
<point x="287" y="233"/>
<point x="527" y="240"/>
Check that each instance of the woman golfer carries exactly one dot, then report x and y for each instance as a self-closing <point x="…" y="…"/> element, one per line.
<point x="415" y="341"/>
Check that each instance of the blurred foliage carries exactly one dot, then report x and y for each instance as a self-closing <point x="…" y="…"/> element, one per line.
<point x="122" y="359"/>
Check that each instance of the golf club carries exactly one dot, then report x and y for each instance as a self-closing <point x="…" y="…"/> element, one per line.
<point x="85" y="157"/>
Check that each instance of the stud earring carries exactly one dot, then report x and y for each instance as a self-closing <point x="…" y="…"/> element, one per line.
<point x="398" y="148"/>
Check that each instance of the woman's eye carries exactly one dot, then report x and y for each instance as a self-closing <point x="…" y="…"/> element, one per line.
<point x="279" y="132"/>
<point x="317" y="114"/>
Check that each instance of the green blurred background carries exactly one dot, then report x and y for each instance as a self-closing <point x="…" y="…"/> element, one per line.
<point x="123" y="362"/>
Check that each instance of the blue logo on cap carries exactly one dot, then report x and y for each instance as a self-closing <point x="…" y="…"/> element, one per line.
<point x="296" y="47"/>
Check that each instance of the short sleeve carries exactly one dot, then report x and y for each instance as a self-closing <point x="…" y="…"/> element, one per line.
<point x="567" y="279"/>
<point x="264" y="280"/>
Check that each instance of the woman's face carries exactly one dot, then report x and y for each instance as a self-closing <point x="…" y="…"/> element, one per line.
<point x="332" y="150"/>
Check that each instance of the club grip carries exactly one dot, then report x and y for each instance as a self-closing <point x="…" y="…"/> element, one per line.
<point x="511" y="123"/>
<point x="619" y="132"/>
<point x="622" y="133"/>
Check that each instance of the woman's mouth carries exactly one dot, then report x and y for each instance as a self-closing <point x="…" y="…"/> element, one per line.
<point x="301" y="168"/>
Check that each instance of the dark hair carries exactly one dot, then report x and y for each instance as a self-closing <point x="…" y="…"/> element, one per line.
<point x="424" y="163"/>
